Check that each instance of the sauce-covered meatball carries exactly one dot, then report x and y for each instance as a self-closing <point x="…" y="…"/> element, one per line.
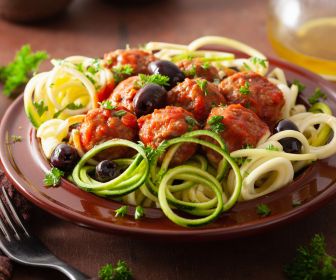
<point x="137" y="59"/>
<point x="255" y="92"/>
<point x="101" y="124"/>
<point x="197" y="68"/>
<point x="197" y="96"/>
<point x="124" y="93"/>
<point x="239" y="127"/>
<point x="165" y="124"/>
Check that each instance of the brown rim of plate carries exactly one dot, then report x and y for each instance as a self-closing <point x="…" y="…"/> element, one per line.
<point x="26" y="166"/>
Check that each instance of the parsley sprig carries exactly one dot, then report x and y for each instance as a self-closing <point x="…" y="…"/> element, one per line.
<point x="53" y="177"/>
<point x="258" y="60"/>
<point x="263" y="210"/>
<point x="203" y="86"/>
<point x="301" y="86"/>
<point x="154" y="153"/>
<point x="70" y="106"/>
<point x="121" y="71"/>
<point x="17" y="72"/>
<point x="312" y="262"/>
<point x="121" y="211"/>
<point x="216" y="124"/>
<point x="118" y="272"/>
<point x="107" y="104"/>
<point x="40" y="107"/>
<point x="318" y="94"/>
<point x="245" y="89"/>
<point x="158" y="79"/>
<point x="139" y="212"/>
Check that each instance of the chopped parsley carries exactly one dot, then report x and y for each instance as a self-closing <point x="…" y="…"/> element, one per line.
<point x="216" y="124"/>
<point x="203" y="86"/>
<point x="118" y="272"/>
<point x="139" y="213"/>
<point x="245" y="89"/>
<point x="301" y="86"/>
<point x="120" y="71"/>
<point x="154" y="153"/>
<point x="271" y="147"/>
<point x="107" y="104"/>
<point x="263" y="210"/>
<point x="316" y="96"/>
<point x="70" y="106"/>
<point x="53" y="177"/>
<point x="17" y="72"/>
<point x="40" y="107"/>
<point x="246" y="66"/>
<point x="191" y="122"/>
<point x="121" y="211"/>
<point x="190" y="72"/>
<point x="206" y="65"/>
<point x="312" y="262"/>
<point x="94" y="67"/>
<point x="260" y="61"/>
<point x="120" y="113"/>
<point x="158" y="79"/>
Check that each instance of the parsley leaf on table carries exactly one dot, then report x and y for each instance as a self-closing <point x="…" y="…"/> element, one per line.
<point x="117" y="272"/>
<point x="17" y="72"/>
<point x="121" y="211"/>
<point x="139" y="212"/>
<point x="312" y="262"/>
<point x="53" y="177"/>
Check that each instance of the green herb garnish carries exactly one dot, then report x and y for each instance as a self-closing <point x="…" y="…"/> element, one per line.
<point x="154" y="153"/>
<point x="216" y="124"/>
<point x="107" y="104"/>
<point x="121" y="211"/>
<point x="118" y="272"/>
<point x="120" y="113"/>
<point x="312" y="262"/>
<point x="191" y="122"/>
<point x="316" y="96"/>
<point x="246" y="66"/>
<point x="40" y="107"/>
<point x="190" y="72"/>
<point x="53" y="177"/>
<point x="257" y="60"/>
<point x="120" y="71"/>
<point x="139" y="213"/>
<point x="70" y="106"/>
<point x="206" y="65"/>
<point x="94" y="67"/>
<point x="271" y="147"/>
<point x="158" y="79"/>
<point x="16" y="73"/>
<point x="300" y="85"/>
<point x="263" y="210"/>
<point x="203" y="85"/>
<point x="245" y="89"/>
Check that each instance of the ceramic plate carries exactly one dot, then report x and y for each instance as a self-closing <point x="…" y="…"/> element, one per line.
<point x="26" y="167"/>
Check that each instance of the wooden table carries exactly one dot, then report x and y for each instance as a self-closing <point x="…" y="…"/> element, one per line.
<point x="94" y="27"/>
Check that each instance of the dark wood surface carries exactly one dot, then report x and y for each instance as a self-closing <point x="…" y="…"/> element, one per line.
<point x="92" y="27"/>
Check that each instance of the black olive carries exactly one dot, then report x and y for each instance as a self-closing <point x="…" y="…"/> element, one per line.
<point x="289" y="144"/>
<point x="148" y="98"/>
<point x="64" y="157"/>
<point x="167" y="68"/>
<point x="107" y="170"/>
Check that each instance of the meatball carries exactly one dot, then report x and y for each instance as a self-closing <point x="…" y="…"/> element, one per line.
<point x="255" y="92"/>
<point x="238" y="127"/>
<point x="101" y="124"/>
<point x="197" y="68"/>
<point x="197" y="96"/>
<point x="138" y="59"/>
<point x="167" y="123"/>
<point x="124" y="93"/>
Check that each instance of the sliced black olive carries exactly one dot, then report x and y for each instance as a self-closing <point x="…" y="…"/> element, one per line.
<point x="167" y="68"/>
<point x="107" y="170"/>
<point x="289" y="144"/>
<point x="64" y="157"/>
<point x="148" y="98"/>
